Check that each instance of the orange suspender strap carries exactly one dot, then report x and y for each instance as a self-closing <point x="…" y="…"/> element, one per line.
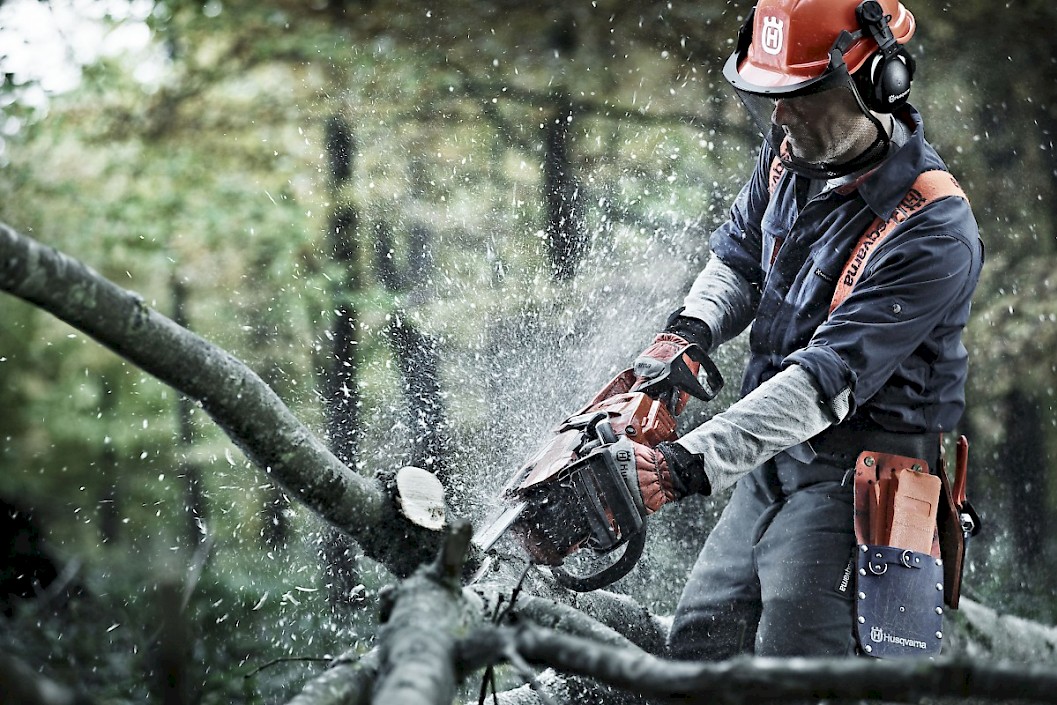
<point x="928" y="187"/>
<point x="777" y="169"/>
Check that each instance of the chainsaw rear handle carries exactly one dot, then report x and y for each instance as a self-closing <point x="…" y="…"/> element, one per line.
<point x="635" y="545"/>
<point x="676" y="374"/>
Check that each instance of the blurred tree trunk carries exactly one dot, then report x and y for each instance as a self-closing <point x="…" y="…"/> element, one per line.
<point x="173" y="670"/>
<point x="110" y="501"/>
<point x="1025" y="470"/>
<point x="194" y="499"/>
<point x="341" y="388"/>
<point x="417" y="353"/>
<point x="418" y="359"/>
<point x="567" y="242"/>
<point x="341" y="396"/>
<point x="266" y="341"/>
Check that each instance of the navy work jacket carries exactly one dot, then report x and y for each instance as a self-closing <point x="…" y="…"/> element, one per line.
<point x="895" y="341"/>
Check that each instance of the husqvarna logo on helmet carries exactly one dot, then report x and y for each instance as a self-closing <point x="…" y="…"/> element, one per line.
<point x="773" y="35"/>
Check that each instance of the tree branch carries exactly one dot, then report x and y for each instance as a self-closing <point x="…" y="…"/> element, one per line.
<point x="755" y="679"/>
<point x="550" y="614"/>
<point x="238" y="400"/>
<point x="418" y="635"/>
<point x="347" y="681"/>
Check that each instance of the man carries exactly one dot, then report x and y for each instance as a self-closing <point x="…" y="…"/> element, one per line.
<point x="832" y="217"/>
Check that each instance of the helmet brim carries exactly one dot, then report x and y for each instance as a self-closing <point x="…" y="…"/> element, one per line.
<point x="747" y="77"/>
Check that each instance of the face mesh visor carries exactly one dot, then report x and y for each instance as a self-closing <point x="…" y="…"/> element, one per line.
<point x="820" y="131"/>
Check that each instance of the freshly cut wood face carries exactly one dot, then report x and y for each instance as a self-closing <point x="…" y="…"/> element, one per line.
<point x="421" y="497"/>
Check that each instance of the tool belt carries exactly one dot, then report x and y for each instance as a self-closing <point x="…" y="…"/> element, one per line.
<point x="841" y="445"/>
<point x="911" y="527"/>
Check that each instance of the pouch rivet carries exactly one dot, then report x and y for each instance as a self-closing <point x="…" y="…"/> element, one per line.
<point x="902" y="608"/>
<point x="868" y="461"/>
<point x="939" y="610"/>
<point x="862" y="571"/>
<point x="939" y="635"/>
<point x="864" y="548"/>
<point x="939" y="561"/>
<point x="939" y="586"/>
<point x="868" y="649"/>
<point x="862" y="620"/>
<point x="862" y="595"/>
<point x="916" y="467"/>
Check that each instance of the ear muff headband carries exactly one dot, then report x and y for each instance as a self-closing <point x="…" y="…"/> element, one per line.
<point x="884" y="82"/>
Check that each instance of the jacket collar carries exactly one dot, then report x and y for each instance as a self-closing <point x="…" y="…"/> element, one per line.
<point x="885" y="186"/>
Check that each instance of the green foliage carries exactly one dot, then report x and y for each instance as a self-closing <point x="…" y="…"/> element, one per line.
<point x="215" y="175"/>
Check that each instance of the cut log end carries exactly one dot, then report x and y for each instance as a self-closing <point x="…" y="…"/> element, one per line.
<point x="420" y="497"/>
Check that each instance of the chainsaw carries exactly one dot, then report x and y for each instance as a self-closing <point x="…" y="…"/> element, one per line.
<point x="571" y="496"/>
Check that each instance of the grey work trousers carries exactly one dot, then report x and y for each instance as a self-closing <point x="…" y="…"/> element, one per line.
<point x="774" y="577"/>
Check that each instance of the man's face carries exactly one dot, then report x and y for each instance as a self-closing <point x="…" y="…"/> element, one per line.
<point x="824" y="127"/>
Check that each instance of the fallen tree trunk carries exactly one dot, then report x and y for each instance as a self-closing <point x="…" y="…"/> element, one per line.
<point x="756" y="678"/>
<point x="347" y="681"/>
<point x="434" y="636"/>
<point x="238" y="400"/>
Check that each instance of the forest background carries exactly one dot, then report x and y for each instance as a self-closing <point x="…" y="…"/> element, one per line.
<point x="434" y="231"/>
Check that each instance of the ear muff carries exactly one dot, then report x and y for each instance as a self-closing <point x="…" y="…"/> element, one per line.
<point x="884" y="81"/>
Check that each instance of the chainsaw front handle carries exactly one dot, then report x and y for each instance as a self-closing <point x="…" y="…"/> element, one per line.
<point x="676" y="374"/>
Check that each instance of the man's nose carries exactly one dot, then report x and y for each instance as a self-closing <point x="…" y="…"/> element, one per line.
<point x="782" y="112"/>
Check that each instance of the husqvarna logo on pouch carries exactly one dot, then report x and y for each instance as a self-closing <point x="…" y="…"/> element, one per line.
<point x="773" y="35"/>
<point x="877" y="635"/>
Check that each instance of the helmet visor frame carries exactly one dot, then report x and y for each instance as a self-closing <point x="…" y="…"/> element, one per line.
<point x="759" y="100"/>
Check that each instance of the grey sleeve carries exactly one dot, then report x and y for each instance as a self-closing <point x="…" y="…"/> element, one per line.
<point x="784" y="411"/>
<point x="723" y="299"/>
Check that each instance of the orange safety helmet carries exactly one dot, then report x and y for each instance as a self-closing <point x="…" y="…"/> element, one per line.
<point x="791" y="40"/>
<point x="792" y="48"/>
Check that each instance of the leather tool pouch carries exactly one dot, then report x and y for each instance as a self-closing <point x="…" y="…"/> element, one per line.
<point x="899" y="574"/>
<point x="957" y="522"/>
<point x="952" y="543"/>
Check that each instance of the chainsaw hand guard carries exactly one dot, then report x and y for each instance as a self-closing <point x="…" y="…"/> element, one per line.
<point x="669" y="370"/>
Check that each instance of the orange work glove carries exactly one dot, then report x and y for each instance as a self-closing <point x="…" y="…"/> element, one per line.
<point x="656" y="358"/>
<point x="663" y="474"/>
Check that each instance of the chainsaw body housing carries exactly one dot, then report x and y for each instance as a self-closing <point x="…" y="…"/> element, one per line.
<point x="572" y="493"/>
<point x="574" y="487"/>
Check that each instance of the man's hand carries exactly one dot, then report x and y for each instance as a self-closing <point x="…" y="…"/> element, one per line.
<point x="663" y="474"/>
<point x="656" y="359"/>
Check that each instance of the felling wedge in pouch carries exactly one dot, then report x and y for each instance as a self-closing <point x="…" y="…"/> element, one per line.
<point x="911" y="529"/>
<point x="571" y="494"/>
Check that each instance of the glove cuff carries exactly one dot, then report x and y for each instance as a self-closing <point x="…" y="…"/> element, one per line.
<point x="687" y="470"/>
<point x="693" y="330"/>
